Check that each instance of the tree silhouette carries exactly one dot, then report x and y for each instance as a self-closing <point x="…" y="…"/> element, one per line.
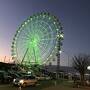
<point x="80" y="64"/>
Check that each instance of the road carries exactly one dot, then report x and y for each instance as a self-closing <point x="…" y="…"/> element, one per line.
<point x="10" y="87"/>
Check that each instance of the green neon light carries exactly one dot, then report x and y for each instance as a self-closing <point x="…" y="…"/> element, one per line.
<point x="34" y="51"/>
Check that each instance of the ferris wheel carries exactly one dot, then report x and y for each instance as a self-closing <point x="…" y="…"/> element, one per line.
<point x="35" y="42"/>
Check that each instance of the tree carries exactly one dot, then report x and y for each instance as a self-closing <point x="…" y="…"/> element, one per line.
<point x="80" y="64"/>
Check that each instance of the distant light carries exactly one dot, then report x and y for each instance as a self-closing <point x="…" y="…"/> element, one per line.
<point x="21" y="81"/>
<point x="18" y="31"/>
<point x="54" y="22"/>
<point x="61" y="35"/>
<point x="28" y="20"/>
<point x="31" y="19"/>
<point x="29" y="72"/>
<point x="43" y="16"/>
<point x="57" y="29"/>
<point x="25" y="23"/>
<point x="49" y="18"/>
<point x="55" y="46"/>
<point x="60" y="51"/>
<point x="88" y="67"/>
<point x="58" y="35"/>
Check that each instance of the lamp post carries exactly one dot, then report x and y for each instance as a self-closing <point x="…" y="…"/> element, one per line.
<point x="88" y="68"/>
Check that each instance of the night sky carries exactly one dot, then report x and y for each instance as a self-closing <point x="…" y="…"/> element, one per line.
<point x="73" y="14"/>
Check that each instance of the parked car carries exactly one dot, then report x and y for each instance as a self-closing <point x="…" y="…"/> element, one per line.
<point x="25" y="81"/>
<point x="43" y="77"/>
<point x="40" y="77"/>
<point x="4" y="77"/>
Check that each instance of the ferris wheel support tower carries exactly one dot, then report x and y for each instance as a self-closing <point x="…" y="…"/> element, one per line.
<point x="59" y="45"/>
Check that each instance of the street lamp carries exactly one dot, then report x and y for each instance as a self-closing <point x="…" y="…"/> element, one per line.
<point x="88" y="68"/>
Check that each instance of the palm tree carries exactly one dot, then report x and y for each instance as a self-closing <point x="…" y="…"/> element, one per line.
<point x="80" y="64"/>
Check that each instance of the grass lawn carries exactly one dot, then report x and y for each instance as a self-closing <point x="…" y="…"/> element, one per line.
<point x="64" y="85"/>
<point x="59" y="85"/>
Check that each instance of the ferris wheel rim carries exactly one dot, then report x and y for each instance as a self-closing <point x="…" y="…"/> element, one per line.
<point x="27" y="21"/>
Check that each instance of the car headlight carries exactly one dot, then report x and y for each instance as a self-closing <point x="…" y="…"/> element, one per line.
<point x="21" y="81"/>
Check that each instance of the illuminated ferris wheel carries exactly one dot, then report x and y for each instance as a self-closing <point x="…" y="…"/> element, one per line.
<point x="35" y="42"/>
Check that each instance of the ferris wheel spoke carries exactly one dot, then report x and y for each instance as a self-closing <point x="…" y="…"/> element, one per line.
<point x="28" y="28"/>
<point x="48" y="39"/>
<point x="22" y="43"/>
<point x="49" y="27"/>
<point x="23" y="47"/>
<point x="41" y="27"/>
<point x="46" y="25"/>
<point x="48" y="34"/>
<point x="44" y="43"/>
<point x="45" y="31"/>
<point x="25" y="38"/>
<point x="29" y="31"/>
<point x="25" y="35"/>
<point x="45" y="28"/>
<point x="42" y="49"/>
